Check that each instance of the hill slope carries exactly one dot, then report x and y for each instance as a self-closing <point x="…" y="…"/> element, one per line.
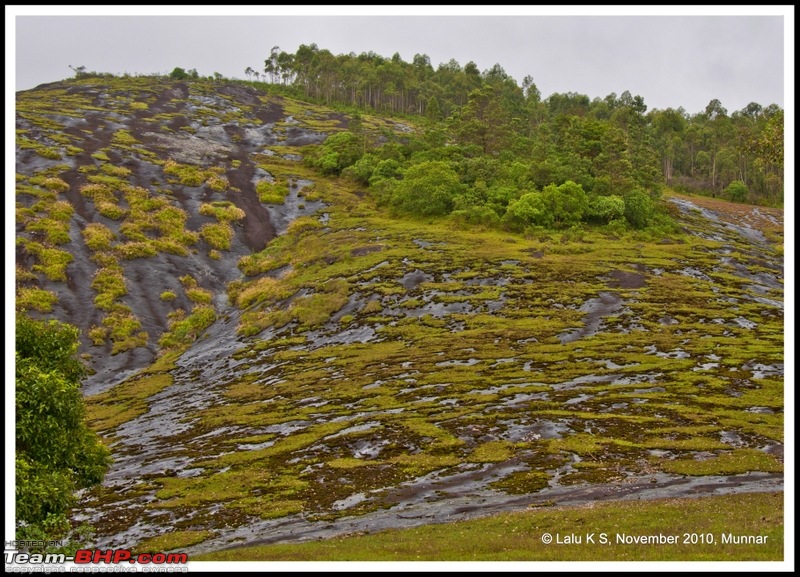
<point x="276" y="358"/>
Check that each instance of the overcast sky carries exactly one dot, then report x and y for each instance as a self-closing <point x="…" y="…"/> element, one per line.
<point x="670" y="60"/>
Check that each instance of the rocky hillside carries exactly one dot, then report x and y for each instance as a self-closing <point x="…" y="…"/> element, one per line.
<point x="137" y="197"/>
<point x="275" y="358"/>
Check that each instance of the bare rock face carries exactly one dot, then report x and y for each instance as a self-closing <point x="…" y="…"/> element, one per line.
<point x="275" y="362"/>
<point x="170" y="148"/>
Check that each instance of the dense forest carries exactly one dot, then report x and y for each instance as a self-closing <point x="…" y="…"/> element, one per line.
<point x="496" y="134"/>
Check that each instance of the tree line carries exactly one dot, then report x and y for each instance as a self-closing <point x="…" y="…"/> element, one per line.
<point x="607" y="145"/>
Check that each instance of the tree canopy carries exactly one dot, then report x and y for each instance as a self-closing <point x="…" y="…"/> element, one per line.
<point x="608" y="145"/>
<point x="56" y="452"/>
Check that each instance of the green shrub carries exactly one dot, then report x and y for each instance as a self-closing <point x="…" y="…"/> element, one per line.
<point x="529" y="209"/>
<point x="178" y="74"/>
<point x="427" y="189"/>
<point x="737" y="191"/>
<point x="638" y="208"/>
<point x="567" y="203"/>
<point x="339" y="151"/>
<point x="604" y="209"/>
<point x="56" y="453"/>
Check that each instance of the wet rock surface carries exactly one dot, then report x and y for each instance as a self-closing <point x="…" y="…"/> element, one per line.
<point x="388" y="376"/>
<point x="362" y="474"/>
<point x="186" y="124"/>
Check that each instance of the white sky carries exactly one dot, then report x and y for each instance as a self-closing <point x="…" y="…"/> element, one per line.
<point x="673" y="59"/>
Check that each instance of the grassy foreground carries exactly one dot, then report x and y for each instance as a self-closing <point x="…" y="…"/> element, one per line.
<point x="519" y="536"/>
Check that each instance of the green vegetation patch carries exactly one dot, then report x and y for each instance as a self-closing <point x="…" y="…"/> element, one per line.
<point x="124" y="402"/>
<point x="726" y="463"/>
<point x="518" y="536"/>
<point x="174" y="540"/>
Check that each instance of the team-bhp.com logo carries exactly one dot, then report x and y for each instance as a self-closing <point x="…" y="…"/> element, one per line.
<point x="94" y="557"/>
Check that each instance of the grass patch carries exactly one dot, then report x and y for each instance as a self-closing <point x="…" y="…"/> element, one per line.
<point x="168" y="296"/>
<point x="110" y="286"/>
<point x="36" y="299"/>
<point x="172" y="541"/>
<point x="492" y="452"/>
<point x="726" y="463"/>
<point x="223" y="211"/>
<point x="124" y="402"/>
<point x="52" y="262"/>
<point x="217" y="235"/>
<point x="184" y="330"/>
<point x="518" y="536"/>
<point x="271" y="193"/>
<point x="123" y="326"/>
<point x="192" y="175"/>
<point x="97" y="236"/>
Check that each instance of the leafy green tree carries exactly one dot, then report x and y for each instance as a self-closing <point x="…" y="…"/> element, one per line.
<point x="339" y="151"/>
<point x="433" y="111"/>
<point x="484" y="122"/>
<point x="606" y="208"/>
<point x="178" y="74"/>
<point x="363" y="169"/>
<point x="532" y="94"/>
<point x="566" y="203"/>
<point x="427" y="189"/>
<point x="56" y="453"/>
<point x="385" y="170"/>
<point x="737" y="191"/>
<point x="530" y="209"/>
<point x="718" y="130"/>
<point x="612" y="162"/>
<point x="638" y="208"/>
<point x="668" y="125"/>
